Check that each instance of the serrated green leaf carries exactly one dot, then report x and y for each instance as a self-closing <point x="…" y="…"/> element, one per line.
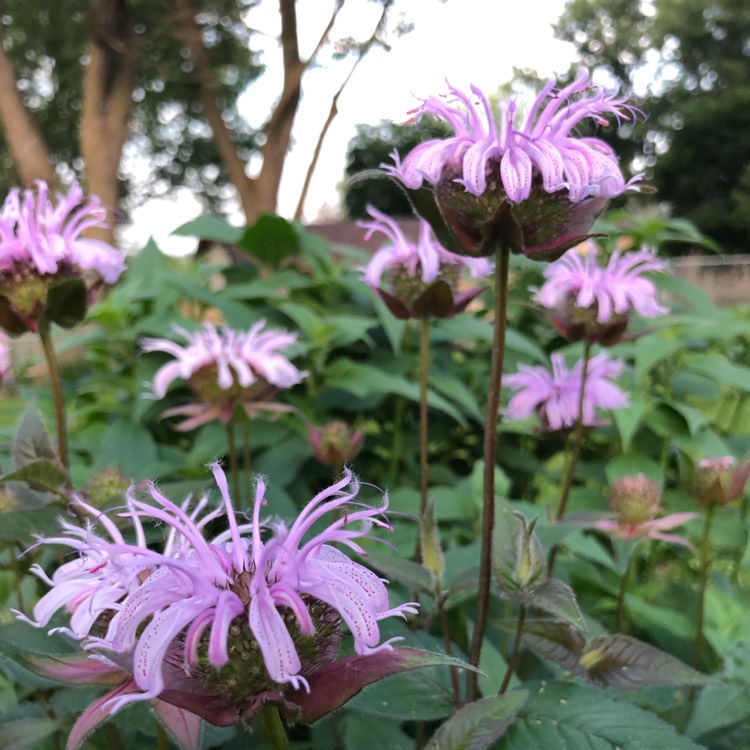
<point x="556" y="598"/>
<point x="573" y="716"/>
<point x="518" y="559"/>
<point x="627" y="663"/>
<point x="479" y="724"/>
<point x="560" y="642"/>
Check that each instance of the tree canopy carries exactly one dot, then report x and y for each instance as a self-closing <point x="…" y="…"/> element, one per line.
<point x="689" y="60"/>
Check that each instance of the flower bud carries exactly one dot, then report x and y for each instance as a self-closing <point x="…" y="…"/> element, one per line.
<point x="636" y="499"/>
<point x="720" y="481"/>
<point x="335" y="443"/>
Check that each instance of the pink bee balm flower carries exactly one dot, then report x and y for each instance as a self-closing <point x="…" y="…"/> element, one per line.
<point x="653" y="529"/>
<point x="554" y="395"/>
<point x="226" y="368"/>
<point x="418" y="279"/>
<point x="500" y="165"/>
<point x="42" y="244"/>
<point x="588" y="300"/>
<point x="236" y="616"/>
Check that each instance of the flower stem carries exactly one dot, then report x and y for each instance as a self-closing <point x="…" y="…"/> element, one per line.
<point x="516" y="653"/>
<point x="620" y="608"/>
<point x="247" y="465"/>
<point x="440" y="604"/>
<point x="232" y="446"/>
<point x="57" y="394"/>
<point x="502" y="262"/>
<point x="424" y="372"/>
<point x="577" y="438"/>
<point x="702" y="584"/>
<point x="274" y="727"/>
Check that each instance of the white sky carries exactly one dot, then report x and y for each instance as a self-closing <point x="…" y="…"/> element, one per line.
<point x="463" y="41"/>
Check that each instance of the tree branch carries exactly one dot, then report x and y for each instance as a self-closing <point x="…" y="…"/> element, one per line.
<point x="362" y="51"/>
<point x="31" y="157"/>
<point x="190" y="33"/>
<point x="107" y="102"/>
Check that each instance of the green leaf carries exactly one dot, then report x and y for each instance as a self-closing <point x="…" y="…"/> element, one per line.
<point x="363" y="380"/>
<point x="479" y="724"/>
<point x="393" y="327"/>
<point x="627" y="663"/>
<point x="396" y="568"/>
<point x="32" y="441"/>
<point x="560" y="642"/>
<point x="578" y="716"/>
<point x="27" y="733"/>
<point x="557" y="599"/>
<point x="129" y="447"/>
<point x="629" y="420"/>
<point x="42" y="474"/>
<point x="210" y="228"/>
<point x="67" y="303"/>
<point x="270" y="240"/>
<point x="717" y="707"/>
<point x="518" y="559"/>
<point x="363" y="731"/>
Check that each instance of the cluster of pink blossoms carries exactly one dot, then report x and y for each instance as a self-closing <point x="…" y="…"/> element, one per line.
<point x="554" y="395"/>
<point x="540" y="144"/>
<point x="226" y="368"/>
<point x="589" y="300"/>
<point x="234" y="616"/>
<point x="534" y="169"/>
<point x="42" y="243"/>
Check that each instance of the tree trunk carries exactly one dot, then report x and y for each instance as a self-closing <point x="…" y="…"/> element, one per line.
<point x="30" y="155"/>
<point x="107" y="100"/>
<point x="190" y="34"/>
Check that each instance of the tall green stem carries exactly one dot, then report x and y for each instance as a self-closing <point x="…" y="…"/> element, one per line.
<point x="274" y="727"/>
<point x="424" y="373"/>
<point x="57" y="394"/>
<point x="577" y="439"/>
<point x="502" y="262"/>
<point x="620" y="608"/>
<point x="516" y="654"/>
<point x="705" y="563"/>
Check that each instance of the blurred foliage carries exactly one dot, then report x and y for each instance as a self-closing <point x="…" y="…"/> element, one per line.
<point x="688" y="375"/>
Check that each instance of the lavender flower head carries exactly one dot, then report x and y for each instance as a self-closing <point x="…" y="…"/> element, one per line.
<point x="226" y="368"/>
<point x="554" y="395"/>
<point x="593" y="301"/>
<point x="234" y="618"/>
<point x="419" y="279"/>
<point x="482" y="176"/>
<point x="636" y="501"/>
<point x="42" y="245"/>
